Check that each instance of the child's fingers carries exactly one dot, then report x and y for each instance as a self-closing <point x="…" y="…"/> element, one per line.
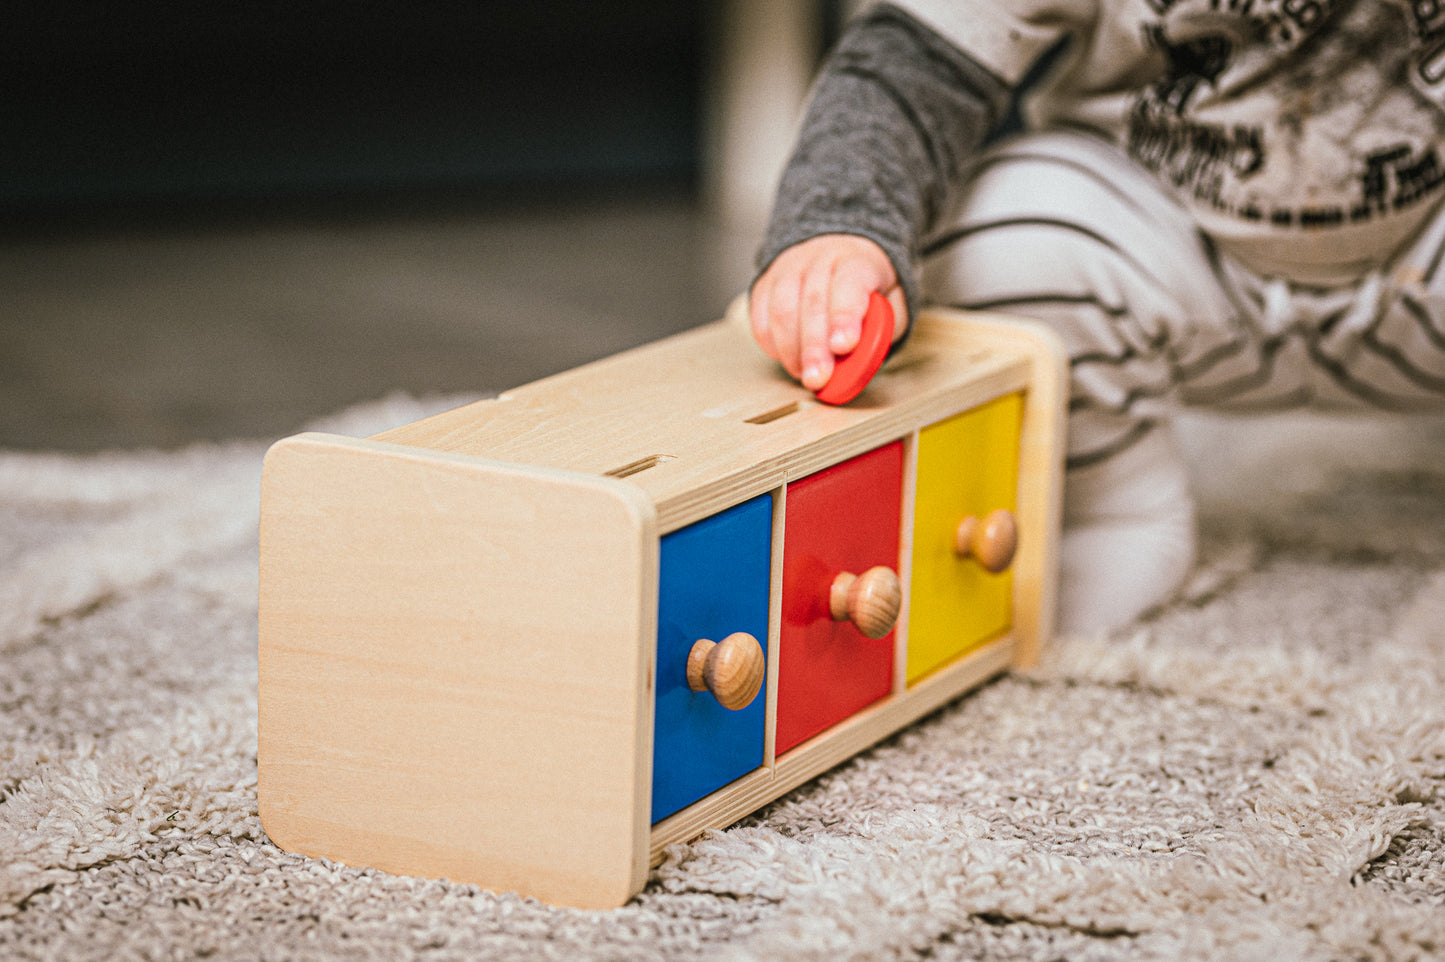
<point x="776" y="310"/>
<point x="815" y="316"/>
<point x="850" y="302"/>
<point x="856" y="279"/>
<point x="758" y="307"/>
<point x="808" y="306"/>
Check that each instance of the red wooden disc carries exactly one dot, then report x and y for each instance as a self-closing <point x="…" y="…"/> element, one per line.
<point x="854" y="370"/>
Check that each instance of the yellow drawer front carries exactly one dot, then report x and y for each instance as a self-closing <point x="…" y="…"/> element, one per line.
<point x="967" y="465"/>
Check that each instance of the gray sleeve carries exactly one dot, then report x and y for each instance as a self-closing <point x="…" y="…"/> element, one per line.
<point x="895" y="115"/>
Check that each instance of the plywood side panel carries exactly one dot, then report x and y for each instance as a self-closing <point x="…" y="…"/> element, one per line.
<point x="453" y="674"/>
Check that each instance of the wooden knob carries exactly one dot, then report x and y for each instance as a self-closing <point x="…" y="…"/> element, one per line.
<point x="992" y="540"/>
<point x="732" y="669"/>
<point x="871" y="600"/>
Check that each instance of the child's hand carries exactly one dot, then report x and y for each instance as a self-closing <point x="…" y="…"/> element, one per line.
<point x="808" y="306"/>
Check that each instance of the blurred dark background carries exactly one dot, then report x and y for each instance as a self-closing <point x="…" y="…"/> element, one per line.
<point x="125" y="106"/>
<point x="222" y="219"/>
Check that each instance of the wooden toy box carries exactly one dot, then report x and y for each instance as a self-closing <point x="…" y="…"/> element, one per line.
<point x="475" y="630"/>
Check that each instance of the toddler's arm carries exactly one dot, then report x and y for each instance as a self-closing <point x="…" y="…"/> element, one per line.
<point x="894" y="119"/>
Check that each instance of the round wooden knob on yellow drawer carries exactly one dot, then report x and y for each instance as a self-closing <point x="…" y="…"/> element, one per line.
<point x="732" y="669"/>
<point x="871" y="601"/>
<point x="992" y="539"/>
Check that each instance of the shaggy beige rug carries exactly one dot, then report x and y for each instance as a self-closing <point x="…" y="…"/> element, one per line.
<point x="1256" y="772"/>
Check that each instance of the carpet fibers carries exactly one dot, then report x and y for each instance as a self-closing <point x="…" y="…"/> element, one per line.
<point x="1255" y="772"/>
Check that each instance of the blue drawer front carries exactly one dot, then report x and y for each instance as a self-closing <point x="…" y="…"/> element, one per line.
<point x="714" y="581"/>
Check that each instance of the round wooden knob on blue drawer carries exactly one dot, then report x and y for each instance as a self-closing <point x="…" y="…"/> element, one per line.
<point x="992" y="539"/>
<point x="871" y="601"/>
<point x="732" y="669"/>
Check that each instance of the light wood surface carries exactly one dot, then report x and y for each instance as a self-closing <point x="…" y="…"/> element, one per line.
<point x="703" y="419"/>
<point x="451" y="679"/>
<point x="459" y="616"/>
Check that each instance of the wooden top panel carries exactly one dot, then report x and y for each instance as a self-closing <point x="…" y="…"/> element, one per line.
<point x="704" y="419"/>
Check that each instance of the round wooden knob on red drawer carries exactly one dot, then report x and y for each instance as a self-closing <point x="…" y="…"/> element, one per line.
<point x="871" y="601"/>
<point x="992" y="539"/>
<point x="732" y="669"/>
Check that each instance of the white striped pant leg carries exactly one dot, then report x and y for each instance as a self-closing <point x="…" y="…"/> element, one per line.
<point x="1066" y="229"/>
<point x="1378" y="343"/>
<point x="1384" y="347"/>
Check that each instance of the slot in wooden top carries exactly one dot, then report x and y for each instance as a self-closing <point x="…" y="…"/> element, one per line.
<point x="704" y="417"/>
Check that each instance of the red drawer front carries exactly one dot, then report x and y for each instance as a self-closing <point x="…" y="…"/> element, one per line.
<point x="843" y="519"/>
